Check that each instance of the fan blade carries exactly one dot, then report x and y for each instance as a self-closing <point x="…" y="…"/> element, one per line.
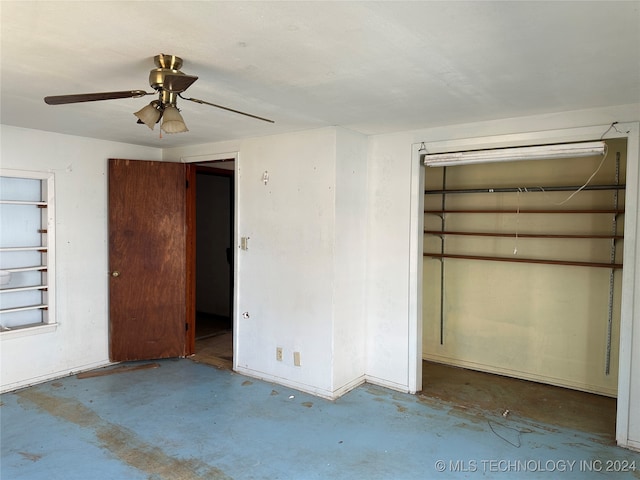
<point x="226" y="108"/>
<point x="177" y="83"/>
<point x="93" y="97"/>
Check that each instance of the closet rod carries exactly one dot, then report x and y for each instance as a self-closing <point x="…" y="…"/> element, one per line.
<point x="525" y="260"/>
<point x="525" y="189"/>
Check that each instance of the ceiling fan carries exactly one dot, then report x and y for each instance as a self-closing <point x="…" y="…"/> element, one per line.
<point x="168" y="83"/>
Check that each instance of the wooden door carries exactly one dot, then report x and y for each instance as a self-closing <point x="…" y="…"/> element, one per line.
<point x="147" y="260"/>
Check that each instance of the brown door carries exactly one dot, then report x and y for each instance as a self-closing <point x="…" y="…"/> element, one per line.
<point x="147" y="260"/>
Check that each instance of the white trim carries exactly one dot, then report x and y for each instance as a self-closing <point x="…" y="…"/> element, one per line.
<point x="373" y="380"/>
<point x="526" y="139"/>
<point x="236" y="235"/>
<point x="347" y="387"/>
<point x="631" y="272"/>
<point x="633" y="445"/>
<point x="49" y="178"/>
<point x="36" y="175"/>
<point x="236" y="260"/>
<point x="630" y="293"/>
<point x="28" y="331"/>
<point x="10" y="387"/>
<point x="209" y="157"/>
<point x="302" y="387"/>
<point x="416" y="239"/>
<point x="52" y="291"/>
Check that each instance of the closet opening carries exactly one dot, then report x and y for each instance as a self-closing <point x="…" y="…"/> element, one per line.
<point x="522" y="282"/>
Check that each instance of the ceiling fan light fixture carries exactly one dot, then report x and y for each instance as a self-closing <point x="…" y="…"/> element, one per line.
<point x="168" y="82"/>
<point x="172" y="121"/>
<point x="149" y="115"/>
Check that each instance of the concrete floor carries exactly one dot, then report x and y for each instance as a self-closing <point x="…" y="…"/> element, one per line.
<point x="468" y="390"/>
<point x="187" y="420"/>
<point x="537" y="402"/>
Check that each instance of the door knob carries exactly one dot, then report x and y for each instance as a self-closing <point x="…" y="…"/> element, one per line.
<point x="115" y="273"/>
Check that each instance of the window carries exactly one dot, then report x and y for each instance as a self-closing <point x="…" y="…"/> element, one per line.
<point x="26" y="252"/>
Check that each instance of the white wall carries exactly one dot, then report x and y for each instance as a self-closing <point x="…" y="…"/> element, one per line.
<point x="349" y="309"/>
<point x="80" y="340"/>
<point x="286" y="275"/>
<point x="300" y="286"/>
<point x="389" y="173"/>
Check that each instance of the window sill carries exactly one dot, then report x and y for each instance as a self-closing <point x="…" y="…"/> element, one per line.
<point x="28" y="331"/>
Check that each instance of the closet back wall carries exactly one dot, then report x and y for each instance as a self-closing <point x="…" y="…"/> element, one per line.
<point x="557" y="324"/>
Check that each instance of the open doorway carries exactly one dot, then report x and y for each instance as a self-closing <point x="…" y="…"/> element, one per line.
<point x="214" y="211"/>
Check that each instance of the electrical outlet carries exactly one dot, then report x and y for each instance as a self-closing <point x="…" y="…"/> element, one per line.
<point x="296" y="359"/>
<point x="279" y="354"/>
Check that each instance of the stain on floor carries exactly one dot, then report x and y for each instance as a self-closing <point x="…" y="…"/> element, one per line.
<point x="538" y="402"/>
<point x="31" y="456"/>
<point x="122" y="442"/>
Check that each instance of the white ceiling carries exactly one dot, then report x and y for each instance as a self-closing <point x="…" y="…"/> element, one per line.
<point x="373" y="67"/>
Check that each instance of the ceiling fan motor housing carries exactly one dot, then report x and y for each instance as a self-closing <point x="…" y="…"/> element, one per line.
<point x="167" y="65"/>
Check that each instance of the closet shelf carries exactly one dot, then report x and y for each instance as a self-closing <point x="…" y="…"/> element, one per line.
<point x="523" y="235"/>
<point x="515" y="211"/>
<point x="533" y="189"/>
<point x="525" y="260"/>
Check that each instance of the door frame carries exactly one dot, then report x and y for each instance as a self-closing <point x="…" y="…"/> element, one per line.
<point x="191" y="172"/>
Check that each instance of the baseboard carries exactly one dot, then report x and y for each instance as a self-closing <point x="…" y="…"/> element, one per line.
<point x="316" y="391"/>
<point x="632" y="445"/>
<point x="10" y="387"/>
<point x="347" y="387"/>
<point x="387" y="384"/>
<point x="302" y="387"/>
<point x="558" y="382"/>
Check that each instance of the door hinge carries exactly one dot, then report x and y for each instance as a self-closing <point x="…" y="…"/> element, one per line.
<point x="186" y="327"/>
<point x="187" y="183"/>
